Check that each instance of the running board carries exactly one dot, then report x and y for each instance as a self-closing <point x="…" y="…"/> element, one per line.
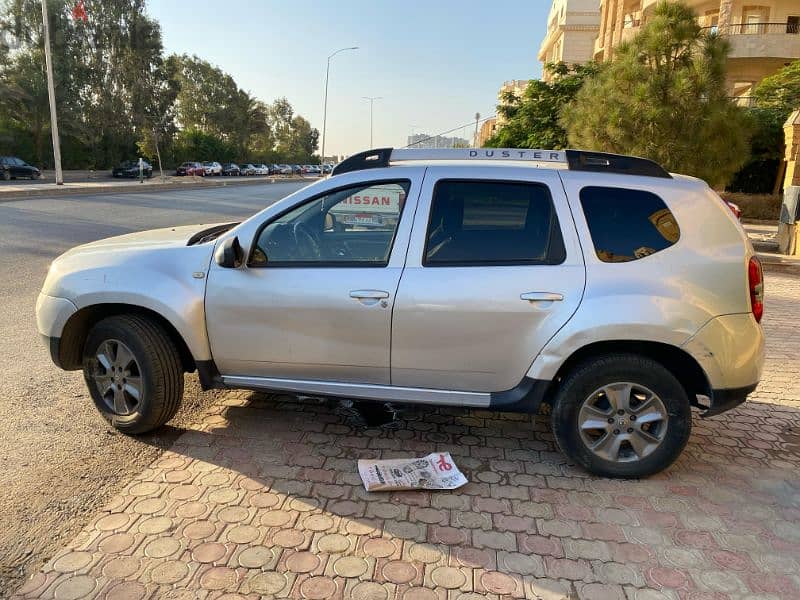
<point x="385" y="393"/>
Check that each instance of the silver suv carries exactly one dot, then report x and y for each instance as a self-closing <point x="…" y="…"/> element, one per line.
<point x="600" y="285"/>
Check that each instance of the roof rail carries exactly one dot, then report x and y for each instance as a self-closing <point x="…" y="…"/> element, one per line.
<point x="602" y="162"/>
<point x="576" y="160"/>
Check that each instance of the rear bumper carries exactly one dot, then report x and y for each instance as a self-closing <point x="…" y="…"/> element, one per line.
<point x="726" y="399"/>
<point x="730" y="350"/>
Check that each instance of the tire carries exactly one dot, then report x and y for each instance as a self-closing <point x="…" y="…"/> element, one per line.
<point x="6" y="175"/>
<point x="641" y="447"/>
<point x="154" y="356"/>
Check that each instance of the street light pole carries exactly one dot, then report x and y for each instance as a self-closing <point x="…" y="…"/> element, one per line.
<point x="475" y="139"/>
<point x="51" y="94"/>
<point x="371" y="104"/>
<point x="325" y="105"/>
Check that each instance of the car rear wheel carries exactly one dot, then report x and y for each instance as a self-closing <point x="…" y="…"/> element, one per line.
<point x="622" y="415"/>
<point x="133" y="372"/>
<point x="6" y="175"/>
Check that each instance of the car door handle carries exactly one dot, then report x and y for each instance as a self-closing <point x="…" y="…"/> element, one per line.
<point x="369" y="294"/>
<point x="541" y="297"/>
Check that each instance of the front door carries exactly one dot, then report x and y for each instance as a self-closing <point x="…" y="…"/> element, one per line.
<point x="494" y="270"/>
<point x="315" y="300"/>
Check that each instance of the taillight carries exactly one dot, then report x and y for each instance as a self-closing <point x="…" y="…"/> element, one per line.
<point x="755" y="277"/>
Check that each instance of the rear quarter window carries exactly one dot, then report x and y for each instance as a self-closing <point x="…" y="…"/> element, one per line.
<point x="627" y="224"/>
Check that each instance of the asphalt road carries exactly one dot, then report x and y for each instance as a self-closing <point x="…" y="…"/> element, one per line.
<point x="58" y="459"/>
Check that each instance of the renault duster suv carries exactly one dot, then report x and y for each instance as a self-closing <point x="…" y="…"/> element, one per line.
<point x="618" y="294"/>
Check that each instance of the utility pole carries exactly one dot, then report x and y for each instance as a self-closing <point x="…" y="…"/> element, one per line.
<point x="371" y="105"/>
<point x="325" y="105"/>
<point x="475" y="140"/>
<point x="51" y="93"/>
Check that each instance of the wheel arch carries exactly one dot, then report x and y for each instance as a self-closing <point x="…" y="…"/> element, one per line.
<point x="77" y="327"/>
<point x="677" y="361"/>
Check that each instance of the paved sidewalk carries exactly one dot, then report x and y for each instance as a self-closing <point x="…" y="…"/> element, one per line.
<point x="262" y="499"/>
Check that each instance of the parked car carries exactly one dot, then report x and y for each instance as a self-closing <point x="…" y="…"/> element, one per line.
<point x="296" y="170"/>
<point x="12" y="167"/>
<point x="326" y="168"/>
<point x="191" y="168"/>
<point x="248" y="169"/>
<point x="261" y="169"/>
<point x="130" y="168"/>
<point x="587" y="281"/>
<point x="231" y="170"/>
<point x="212" y="167"/>
<point x="734" y="208"/>
<point x="284" y="169"/>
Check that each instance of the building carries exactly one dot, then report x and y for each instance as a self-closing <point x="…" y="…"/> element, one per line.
<point x="764" y="34"/>
<point x="487" y="130"/>
<point x="423" y="140"/>
<point x="516" y="87"/>
<point x="572" y="28"/>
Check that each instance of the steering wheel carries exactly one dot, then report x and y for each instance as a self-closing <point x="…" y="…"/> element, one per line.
<point x="306" y="243"/>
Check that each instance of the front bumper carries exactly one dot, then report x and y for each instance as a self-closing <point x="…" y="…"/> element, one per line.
<point x="53" y="345"/>
<point x="52" y="315"/>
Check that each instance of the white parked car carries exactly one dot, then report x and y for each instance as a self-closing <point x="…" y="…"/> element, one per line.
<point x="212" y="168"/>
<point x="616" y="293"/>
<point x="261" y="169"/>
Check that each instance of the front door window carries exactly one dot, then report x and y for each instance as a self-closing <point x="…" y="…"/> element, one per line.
<point x="354" y="226"/>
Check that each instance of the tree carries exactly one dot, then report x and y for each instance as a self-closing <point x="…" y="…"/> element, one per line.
<point x="663" y="97"/>
<point x="533" y="119"/>
<point x="24" y="103"/>
<point x="207" y="98"/>
<point x="295" y="139"/>
<point x="781" y="91"/>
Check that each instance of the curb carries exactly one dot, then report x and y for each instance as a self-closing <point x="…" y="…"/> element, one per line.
<point x="23" y="194"/>
<point x="778" y="262"/>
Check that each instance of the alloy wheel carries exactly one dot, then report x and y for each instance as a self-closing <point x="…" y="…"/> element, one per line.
<point x="118" y="377"/>
<point x="623" y="422"/>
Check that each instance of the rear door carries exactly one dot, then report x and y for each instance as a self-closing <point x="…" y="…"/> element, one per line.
<point x="494" y="270"/>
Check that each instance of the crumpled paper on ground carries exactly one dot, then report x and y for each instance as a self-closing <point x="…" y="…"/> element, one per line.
<point x="437" y="471"/>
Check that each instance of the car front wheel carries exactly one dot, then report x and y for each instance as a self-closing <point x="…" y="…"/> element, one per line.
<point x="622" y="415"/>
<point x="133" y="372"/>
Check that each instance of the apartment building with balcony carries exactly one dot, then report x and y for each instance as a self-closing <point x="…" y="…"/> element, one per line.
<point x="764" y="34"/>
<point x="572" y="27"/>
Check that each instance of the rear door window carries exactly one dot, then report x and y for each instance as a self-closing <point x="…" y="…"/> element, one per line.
<point x="627" y="224"/>
<point x="492" y="223"/>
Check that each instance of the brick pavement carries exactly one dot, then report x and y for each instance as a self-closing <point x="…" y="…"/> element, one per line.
<point x="262" y="499"/>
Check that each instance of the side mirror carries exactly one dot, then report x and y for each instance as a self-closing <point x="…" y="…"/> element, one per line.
<point x="230" y="254"/>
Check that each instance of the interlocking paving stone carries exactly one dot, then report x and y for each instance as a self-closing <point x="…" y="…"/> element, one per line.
<point x="262" y="499"/>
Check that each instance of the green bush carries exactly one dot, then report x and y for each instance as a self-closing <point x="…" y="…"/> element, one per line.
<point x="759" y="207"/>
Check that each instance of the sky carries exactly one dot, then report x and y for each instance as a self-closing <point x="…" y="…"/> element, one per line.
<point x="435" y="63"/>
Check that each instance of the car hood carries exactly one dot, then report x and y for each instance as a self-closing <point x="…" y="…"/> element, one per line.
<point x="146" y="255"/>
<point x="153" y="238"/>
